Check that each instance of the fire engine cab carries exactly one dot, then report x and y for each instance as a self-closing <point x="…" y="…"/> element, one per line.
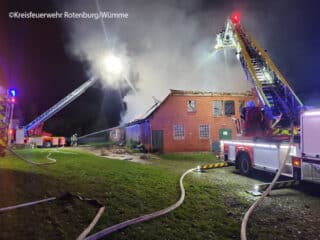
<point x="266" y="127"/>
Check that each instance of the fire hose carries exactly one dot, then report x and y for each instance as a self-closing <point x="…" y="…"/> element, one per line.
<point x="5" y="209"/>
<point x="49" y="158"/>
<point x="110" y="229"/>
<point x="64" y="197"/>
<point x="143" y="218"/>
<point x="149" y="216"/>
<point x="257" y="203"/>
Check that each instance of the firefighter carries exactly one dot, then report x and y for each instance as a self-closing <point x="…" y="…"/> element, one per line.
<point x="250" y="105"/>
<point x="263" y="122"/>
<point x="74" y="140"/>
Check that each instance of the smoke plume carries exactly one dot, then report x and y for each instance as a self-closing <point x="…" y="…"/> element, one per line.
<point x="162" y="44"/>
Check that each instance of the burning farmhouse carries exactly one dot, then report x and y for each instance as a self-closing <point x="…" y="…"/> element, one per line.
<point x="186" y="121"/>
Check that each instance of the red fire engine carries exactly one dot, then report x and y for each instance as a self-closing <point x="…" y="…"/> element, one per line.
<point x="32" y="133"/>
<point x="264" y="130"/>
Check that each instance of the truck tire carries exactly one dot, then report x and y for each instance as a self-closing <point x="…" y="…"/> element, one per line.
<point x="245" y="164"/>
<point x="47" y="144"/>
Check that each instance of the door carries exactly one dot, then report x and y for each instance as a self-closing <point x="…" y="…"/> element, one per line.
<point x="157" y="141"/>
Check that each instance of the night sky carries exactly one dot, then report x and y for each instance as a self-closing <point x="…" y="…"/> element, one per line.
<point x="34" y="58"/>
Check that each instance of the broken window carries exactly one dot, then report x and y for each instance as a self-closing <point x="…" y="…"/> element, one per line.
<point x="217" y="108"/>
<point x="229" y="108"/>
<point x="178" y="131"/>
<point x="191" y="106"/>
<point x="204" y="131"/>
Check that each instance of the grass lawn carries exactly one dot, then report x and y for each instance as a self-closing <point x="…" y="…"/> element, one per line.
<point x="127" y="190"/>
<point x="212" y="209"/>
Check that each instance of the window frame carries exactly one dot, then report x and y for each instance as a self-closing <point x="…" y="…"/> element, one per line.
<point x="204" y="128"/>
<point x="178" y="131"/>
<point x="190" y="108"/>
<point x="224" y="106"/>
<point x="214" y="108"/>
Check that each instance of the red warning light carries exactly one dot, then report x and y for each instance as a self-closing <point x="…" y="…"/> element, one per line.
<point x="235" y="18"/>
<point x="12" y="100"/>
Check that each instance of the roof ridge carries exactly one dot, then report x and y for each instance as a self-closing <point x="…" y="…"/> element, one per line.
<point x="190" y="92"/>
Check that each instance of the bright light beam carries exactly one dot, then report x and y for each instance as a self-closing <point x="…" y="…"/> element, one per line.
<point x="113" y="64"/>
<point x="102" y="22"/>
<point x="129" y="83"/>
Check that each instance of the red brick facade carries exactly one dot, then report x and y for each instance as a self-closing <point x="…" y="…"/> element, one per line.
<point x="187" y="121"/>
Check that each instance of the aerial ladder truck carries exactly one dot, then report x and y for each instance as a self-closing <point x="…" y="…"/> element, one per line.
<point x="25" y="133"/>
<point x="265" y="127"/>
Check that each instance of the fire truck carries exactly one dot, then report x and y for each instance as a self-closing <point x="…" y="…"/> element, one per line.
<point x="38" y="137"/>
<point x="32" y="132"/>
<point x="7" y="101"/>
<point x="265" y="127"/>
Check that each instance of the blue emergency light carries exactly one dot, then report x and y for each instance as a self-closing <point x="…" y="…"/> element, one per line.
<point x="12" y="92"/>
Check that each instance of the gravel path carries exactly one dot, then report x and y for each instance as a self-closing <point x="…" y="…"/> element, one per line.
<point x="285" y="213"/>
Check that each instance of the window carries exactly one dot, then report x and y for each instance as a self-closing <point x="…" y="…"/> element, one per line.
<point x="178" y="131"/>
<point x="229" y="108"/>
<point x="204" y="131"/>
<point x="191" y="106"/>
<point x="217" y="108"/>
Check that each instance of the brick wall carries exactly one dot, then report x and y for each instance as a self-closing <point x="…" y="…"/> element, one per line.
<point x="174" y="111"/>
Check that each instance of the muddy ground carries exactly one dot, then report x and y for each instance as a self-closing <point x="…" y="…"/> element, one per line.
<point x="119" y="153"/>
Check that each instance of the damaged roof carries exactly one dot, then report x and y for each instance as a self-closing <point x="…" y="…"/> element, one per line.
<point x="157" y="104"/>
<point x="201" y="93"/>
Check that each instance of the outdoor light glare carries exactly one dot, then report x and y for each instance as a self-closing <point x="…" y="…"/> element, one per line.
<point x="198" y="169"/>
<point x="235" y="18"/>
<point x="113" y="64"/>
<point x="312" y="113"/>
<point x="12" y="92"/>
<point x="238" y="55"/>
<point x="256" y="187"/>
<point x="12" y="100"/>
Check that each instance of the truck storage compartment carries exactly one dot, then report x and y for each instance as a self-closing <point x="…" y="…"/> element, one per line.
<point x="310" y="134"/>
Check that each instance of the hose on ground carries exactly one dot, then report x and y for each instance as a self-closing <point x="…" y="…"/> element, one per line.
<point x="5" y="209"/>
<point x="65" y="197"/>
<point x="92" y="224"/>
<point x="51" y="160"/>
<point x="110" y="229"/>
<point x="245" y="219"/>
<point x="143" y="218"/>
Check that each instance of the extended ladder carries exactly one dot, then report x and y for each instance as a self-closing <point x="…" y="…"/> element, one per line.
<point x="61" y="104"/>
<point x="275" y="93"/>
